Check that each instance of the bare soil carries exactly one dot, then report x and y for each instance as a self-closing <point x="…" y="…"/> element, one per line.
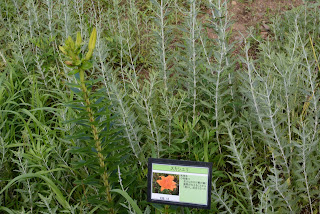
<point x="257" y="14"/>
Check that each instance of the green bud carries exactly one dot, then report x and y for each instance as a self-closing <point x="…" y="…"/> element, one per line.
<point x="70" y="43"/>
<point x="79" y="40"/>
<point x="89" y="55"/>
<point x="63" y="50"/>
<point x="93" y="39"/>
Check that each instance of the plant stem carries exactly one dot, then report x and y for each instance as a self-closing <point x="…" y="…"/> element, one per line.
<point x="96" y="138"/>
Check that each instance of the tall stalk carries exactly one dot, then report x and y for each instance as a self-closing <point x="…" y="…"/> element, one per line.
<point x="163" y="39"/>
<point x="72" y="50"/>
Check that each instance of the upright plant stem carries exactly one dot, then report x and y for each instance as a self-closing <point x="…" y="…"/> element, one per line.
<point x="164" y="69"/>
<point x="193" y="56"/>
<point x="96" y="138"/>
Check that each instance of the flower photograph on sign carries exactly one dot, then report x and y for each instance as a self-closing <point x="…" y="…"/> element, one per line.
<point x="165" y="184"/>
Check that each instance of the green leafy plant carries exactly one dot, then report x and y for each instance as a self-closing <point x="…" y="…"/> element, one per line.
<point x="98" y="138"/>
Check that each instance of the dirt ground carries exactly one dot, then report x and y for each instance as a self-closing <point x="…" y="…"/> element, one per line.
<point x="256" y="13"/>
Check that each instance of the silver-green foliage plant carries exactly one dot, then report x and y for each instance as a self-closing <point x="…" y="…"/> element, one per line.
<point x="280" y="96"/>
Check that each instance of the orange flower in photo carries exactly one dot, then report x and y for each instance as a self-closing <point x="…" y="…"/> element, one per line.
<point x="167" y="183"/>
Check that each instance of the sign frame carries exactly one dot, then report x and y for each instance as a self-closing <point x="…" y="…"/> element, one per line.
<point x="181" y="163"/>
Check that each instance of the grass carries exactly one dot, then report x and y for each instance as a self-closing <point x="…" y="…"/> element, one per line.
<point x="77" y="128"/>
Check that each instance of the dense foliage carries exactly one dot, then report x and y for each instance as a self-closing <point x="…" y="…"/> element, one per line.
<point x="135" y="79"/>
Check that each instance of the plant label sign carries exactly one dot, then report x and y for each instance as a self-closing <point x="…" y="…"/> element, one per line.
<point x="182" y="183"/>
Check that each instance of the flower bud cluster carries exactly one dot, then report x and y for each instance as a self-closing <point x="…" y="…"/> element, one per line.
<point x="72" y="50"/>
